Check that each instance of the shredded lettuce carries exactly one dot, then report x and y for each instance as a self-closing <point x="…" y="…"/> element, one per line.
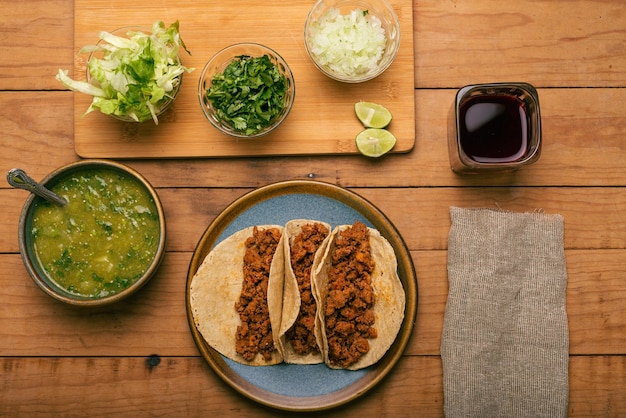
<point x="136" y="75"/>
<point x="350" y="44"/>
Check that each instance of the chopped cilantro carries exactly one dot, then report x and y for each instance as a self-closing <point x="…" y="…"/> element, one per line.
<point x="249" y="94"/>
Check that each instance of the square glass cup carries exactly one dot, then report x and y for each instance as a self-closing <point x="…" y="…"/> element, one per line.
<point x="494" y="127"/>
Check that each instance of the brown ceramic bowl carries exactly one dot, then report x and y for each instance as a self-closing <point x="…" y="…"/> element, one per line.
<point x="104" y="245"/>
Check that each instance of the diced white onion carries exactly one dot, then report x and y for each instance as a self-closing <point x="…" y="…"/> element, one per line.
<point x="349" y="45"/>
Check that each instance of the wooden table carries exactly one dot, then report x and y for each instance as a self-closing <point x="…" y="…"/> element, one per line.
<point x="138" y="358"/>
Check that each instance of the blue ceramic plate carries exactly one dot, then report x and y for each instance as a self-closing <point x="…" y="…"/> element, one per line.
<point x="303" y="387"/>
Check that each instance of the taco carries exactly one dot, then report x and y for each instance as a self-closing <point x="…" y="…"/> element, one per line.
<point x="236" y="295"/>
<point x="360" y="297"/>
<point x="303" y="246"/>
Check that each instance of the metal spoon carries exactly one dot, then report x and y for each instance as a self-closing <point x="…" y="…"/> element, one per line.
<point x="18" y="178"/>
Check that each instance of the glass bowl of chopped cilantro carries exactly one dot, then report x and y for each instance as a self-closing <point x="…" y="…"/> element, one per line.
<point x="352" y="40"/>
<point x="134" y="74"/>
<point x="246" y="90"/>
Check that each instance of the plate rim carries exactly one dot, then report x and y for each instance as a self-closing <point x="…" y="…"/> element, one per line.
<point x="406" y="271"/>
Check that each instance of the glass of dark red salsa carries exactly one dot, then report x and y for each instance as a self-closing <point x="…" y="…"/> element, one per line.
<point x="494" y="127"/>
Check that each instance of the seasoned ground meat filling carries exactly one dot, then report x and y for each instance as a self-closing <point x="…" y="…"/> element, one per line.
<point x="254" y="335"/>
<point x="303" y="250"/>
<point x="350" y="299"/>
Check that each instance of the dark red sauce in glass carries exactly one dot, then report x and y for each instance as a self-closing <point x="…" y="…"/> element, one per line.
<point x="493" y="129"/>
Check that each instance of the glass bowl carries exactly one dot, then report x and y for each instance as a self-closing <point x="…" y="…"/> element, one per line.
<point x="215" y="106"/>
<point x="494" y="127"/>
<point x="171" y="90"/>
<point x="104" y="245"/>
<point x="352" y="41"/>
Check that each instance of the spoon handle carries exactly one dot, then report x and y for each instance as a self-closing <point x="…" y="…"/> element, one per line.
<point x="18" y="178"/>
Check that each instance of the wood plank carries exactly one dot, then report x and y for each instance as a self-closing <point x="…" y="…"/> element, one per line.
<point x="184" y="387"/>
<point x="582" y="49"/>
<point x="155" y="320"/>
<point x="38" y="387"/>
<point x="593" y="216"/>
<point x="36" y="40"/>
<point x="597" y="386"/>
<point x="37" y="132"/>
<point x="48" y="352"/>
<point x="593" y="301"/>
<point x="548" y="44"/>
<point x="583" y="145"/>
<point x="321" y="121"/>
<point x="427" y="224"/>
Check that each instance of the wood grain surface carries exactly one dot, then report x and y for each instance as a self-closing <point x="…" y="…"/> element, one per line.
<point x="322" y="120"/>
<point x="137" y="358"/>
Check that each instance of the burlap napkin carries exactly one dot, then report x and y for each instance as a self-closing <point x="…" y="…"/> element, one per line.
<point x="505" y="345"/>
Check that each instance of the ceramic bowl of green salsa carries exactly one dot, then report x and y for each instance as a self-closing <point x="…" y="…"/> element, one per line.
<point x="104" y="245"/>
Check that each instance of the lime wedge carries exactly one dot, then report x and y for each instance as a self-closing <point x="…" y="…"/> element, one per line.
<point x="372" y="115"/>
<point x="374" y="142"/>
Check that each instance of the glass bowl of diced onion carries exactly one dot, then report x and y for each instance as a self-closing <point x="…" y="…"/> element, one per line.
<point x="352" y="41"/>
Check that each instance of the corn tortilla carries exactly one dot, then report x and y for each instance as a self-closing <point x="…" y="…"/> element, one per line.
<point x="388" y="292"/>
<point x="291" y="296"/>
<point x="216" y="287"/>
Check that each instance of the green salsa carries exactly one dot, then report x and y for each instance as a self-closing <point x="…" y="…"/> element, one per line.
<point x="104" y="239"/>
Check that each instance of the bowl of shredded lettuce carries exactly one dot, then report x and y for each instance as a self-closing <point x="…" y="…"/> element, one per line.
<point x="352" y="40"/>
<point x="246" y="90"/>
<point x="133" y="74"/>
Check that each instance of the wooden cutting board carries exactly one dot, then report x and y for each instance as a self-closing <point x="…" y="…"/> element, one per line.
<point x="322" y="119"/>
